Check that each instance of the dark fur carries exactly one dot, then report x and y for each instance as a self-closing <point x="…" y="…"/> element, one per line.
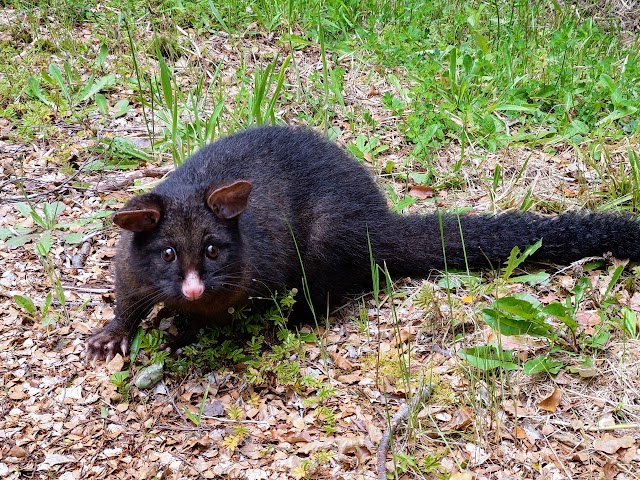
<point x="306" y="187"/>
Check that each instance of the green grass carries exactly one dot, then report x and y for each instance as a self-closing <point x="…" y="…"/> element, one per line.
<point x="481" y="75"/>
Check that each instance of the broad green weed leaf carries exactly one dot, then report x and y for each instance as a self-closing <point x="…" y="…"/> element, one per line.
<point x="102" y="55"/>
<point x="24" y="209"/>
<point x="25" y="303"/>
<point x="629" y="321"/>
<point x="542" y="364"/>
<point x="34" y="89"/>
<point x="517" y="108"/>
<point x="43" y="247"/>
<point x="94" y="87"/>
<point x="618" y="113"/>
<point x="562" y="313"/>
<point x="101" y="103"/>
<point x="516" y="306"/>
<point x="51" y="211"/>
<point x="47" y="302"/>
<point x="17" y="241"/>
<point x="56" y="76"/>
<point x="579" y="291"/>
<point x="599" y="338"/>
<point x="73" y="238"/>
<point x="121" y="107"/>
<point x="508" y="325"/>
<point x="136" y="343"/>
<point x="608" y="82"/>
<point x="531" y="279"/>
<point x="5" y="233"/>
<point x="488" y="357"/>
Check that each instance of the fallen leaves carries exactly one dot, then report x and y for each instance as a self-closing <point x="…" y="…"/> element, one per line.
<point x="550" y="403"/>
<point x="610" y="444"/>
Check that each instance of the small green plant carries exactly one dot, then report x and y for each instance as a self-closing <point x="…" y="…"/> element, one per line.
<point x="366" y="149"/>
<point x="43" y="218"/>
<point x="399" y="203"/>
<point x="121" y="381"/>
<point x="67" y="90"/>
<point x="219" y="345"/>
<point x="186" y="126"/>
<point x="239" y="433"/>
<point x="42" y="314"/>
<point x="521" y="314"/>
<point x="196" y="418"/>
<point x="117" y="152"/>
<point x="327" y="416"/>
<point x="408" y="464"/>
<point x="266" y="83"/>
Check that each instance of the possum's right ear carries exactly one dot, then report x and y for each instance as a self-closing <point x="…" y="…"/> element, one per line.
<point x="140" y="214"/>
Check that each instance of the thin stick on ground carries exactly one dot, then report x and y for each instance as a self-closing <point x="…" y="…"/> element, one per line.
<point x="401" y="416"/>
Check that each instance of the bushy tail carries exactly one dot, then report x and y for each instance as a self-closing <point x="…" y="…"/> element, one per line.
<point x="416" y="244"/>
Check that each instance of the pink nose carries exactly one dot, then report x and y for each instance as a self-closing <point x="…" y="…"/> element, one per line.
<point x="192" y="286"/>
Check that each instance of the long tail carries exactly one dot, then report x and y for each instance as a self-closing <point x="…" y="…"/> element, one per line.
<point x="416" y="244"/>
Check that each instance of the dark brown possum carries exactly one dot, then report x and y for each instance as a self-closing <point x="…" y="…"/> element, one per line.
<point x="221" y="230"/>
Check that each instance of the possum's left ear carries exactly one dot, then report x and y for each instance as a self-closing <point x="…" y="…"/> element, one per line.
<point x="231" y="200"/>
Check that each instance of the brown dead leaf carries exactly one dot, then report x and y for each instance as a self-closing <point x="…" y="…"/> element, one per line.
<point x="519" y="432"/>
<point x="550" y="404"/>
<point x="610" y="470"/>
<point x="116" y="364"/>
<point x="462" y="418"/>
<point x="349" y="379"/>
<point x="588" y="320"/>
<point x="341" y="362"/>
<point x="461" y="476"/>
<point x="17" y="452"/>
<point x="296" y="437"/>
<point x="421" y="191"/>
<point x="517" y="410"/>
<point x="610" y="444"/>
<point x="17" y="393"/>
<point x="582" y="456"/>
<point x="375" y="434"/>
<point x="349" y="444"/>
<point x="405" y="335"/>
<point x="199" y="443"/>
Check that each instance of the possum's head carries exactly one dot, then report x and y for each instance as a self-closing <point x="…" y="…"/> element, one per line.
<point x="185" y="246"/>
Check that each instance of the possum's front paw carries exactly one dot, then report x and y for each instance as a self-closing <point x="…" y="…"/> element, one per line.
<point x="175" y="343"/>
<point x="105" y="344"/>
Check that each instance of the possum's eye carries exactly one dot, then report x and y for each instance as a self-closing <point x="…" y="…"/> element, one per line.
<point x="212" y="251"/>
<point x="168" y="254"/>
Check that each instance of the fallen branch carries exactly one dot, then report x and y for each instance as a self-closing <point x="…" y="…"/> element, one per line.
<point x="120" y="181"/>
<point x="401" y="416"/>
<point x="77" y="260"/>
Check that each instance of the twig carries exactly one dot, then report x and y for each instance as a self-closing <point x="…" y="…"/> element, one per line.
<point x="401" y="415"/>
<point x="77" y="260"/>
<point x="87" y="289"/>
<point x="125" y="179"/>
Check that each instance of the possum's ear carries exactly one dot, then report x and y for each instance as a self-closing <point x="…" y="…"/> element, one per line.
<point x="229" y="201"/>
<point x="140" y="214"/>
